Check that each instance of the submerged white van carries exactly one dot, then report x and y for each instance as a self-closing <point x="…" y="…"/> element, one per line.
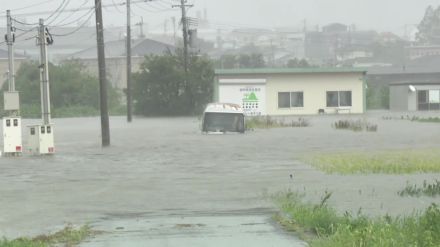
<point x="223" y="118"/>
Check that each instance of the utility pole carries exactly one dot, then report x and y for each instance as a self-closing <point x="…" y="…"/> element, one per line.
<point x="129" y="100"/>
<point x="10" y="41"/>
<point x="105" y="126"/>
<point x="44" y="40"/>
<point x="183" y="7"/>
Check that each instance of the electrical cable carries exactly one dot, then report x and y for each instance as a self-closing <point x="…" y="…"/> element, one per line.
<point x="77" y="29"/>
<point x="60" y="11"/>
<point x="73" y="12"/>
<point x="73" y="21"/>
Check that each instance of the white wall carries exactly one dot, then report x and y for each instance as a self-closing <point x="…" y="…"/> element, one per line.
<point x="315" y="87"/>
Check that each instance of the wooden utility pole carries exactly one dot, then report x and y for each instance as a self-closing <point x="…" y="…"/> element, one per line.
<point x="128" y="41"/>
<point x="183" y="7"/>
<point x="105" y="126"/>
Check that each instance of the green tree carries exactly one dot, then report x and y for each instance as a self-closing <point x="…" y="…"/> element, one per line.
<point x="244" y="61"/>
<point x="70" y="88"/>
<point x="160" y="88"/>
<point x="298" y="63"/>
<point x="429" y="27"/>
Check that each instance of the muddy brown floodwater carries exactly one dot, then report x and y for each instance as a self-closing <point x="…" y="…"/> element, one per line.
<point x="163" y="183"/>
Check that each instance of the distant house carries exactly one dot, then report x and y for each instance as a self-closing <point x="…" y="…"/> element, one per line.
<point x="415" y="52"/>
<point x="413" y="87"/>
<point x="4" y="64"/>
<point x="115" y="53"/>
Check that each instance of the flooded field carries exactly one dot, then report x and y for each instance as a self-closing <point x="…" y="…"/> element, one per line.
<point x="164" y="167"/>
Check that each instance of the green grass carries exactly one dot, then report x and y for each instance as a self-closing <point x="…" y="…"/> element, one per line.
<point x="426" y="189"/>
<point x="427" y="120"/>
<point x="69" y="236"/>
<point x="268" y="122"/>
<point x="321" y="226"/>
<point x="368" y="162"/>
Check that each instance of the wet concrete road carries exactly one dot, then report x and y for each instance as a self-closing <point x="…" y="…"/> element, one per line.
<point x="163" y="169"/>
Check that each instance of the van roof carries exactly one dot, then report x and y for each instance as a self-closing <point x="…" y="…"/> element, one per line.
<point x="224" y="108"/>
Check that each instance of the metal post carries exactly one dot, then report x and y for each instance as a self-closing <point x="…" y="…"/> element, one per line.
<point x="105" y="126"/>
<point x="44" y="74"/>
<point x="129" y="100"/>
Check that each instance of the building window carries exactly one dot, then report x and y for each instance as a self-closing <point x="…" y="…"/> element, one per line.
<point x="290" y="99"/>
<point x="428" y="100"/>
<point x="15" y="122"/>
<point x="332" y="99"/>
<point x="32" y="131"/>
<point x="284" y="100"/>
<point x="8" y="123"/>
<point x="49" y="129"/>
<point x="297" y="99"/>
<point x="43" y="129"/>
<point x="345" y="98"/>
<point x="339" y="98"/>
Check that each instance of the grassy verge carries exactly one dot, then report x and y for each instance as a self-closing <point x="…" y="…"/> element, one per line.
<point x="390" y="162"/>
<point x="426" y="189"/>
<point x="69" y="236"/>
<point x="321" y="226"/>
<point x="268" y="122"/>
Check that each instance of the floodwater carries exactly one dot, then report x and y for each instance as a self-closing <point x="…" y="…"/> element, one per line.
<point x="163" y="178"/>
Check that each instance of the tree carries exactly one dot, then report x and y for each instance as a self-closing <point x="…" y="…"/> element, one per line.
<point x="160" y="88"/>
<point x="70" y="86"/>
<point x="298" y="63"/>
<point x="429" y="27"/>
<point x="244" y="61"/>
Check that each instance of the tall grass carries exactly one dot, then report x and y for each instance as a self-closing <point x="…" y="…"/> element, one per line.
<point x="321" y="226"/>
<point x="69" y="236"/>
<point x="355" y="125"/>
<point x="268" y="122"/>
<point x="387" y="162"/>
<point x="426" y="189"/>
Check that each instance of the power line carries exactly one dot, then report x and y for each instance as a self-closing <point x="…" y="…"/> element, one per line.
<point x="73" y="9"/>
<point x="74" y="21"/>
<point x="76" y="29"/>
<point x="32" y="5"/>
<point x="66" y="24"/>
<point x="58" y="10"/>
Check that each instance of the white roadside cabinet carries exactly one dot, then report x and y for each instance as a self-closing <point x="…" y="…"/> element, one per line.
<point x="41" y="140"/>
<point x="12" y="144"/>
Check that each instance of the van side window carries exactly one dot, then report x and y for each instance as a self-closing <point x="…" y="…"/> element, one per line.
<point x="43" y="129"/>
<point x="15" y="122"/>
<point x="32" y="131"/>
<point x="48" y="130"/>
<point x="8" y="123"/>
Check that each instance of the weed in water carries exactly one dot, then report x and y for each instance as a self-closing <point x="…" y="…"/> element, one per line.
<point x="355" y="125"/>
<point x="426" y="189"/>
<point x="268" y="122"/>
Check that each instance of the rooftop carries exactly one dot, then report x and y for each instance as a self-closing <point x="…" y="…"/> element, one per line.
<point x="288" y="71"/>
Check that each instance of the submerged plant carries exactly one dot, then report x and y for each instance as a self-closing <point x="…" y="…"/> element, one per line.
<point x="427" y="189"/>
<point x="357" y="126"/>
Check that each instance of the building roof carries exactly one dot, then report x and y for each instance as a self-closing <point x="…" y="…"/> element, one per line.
<point x="117" y="48"/>
<point x="288" y="71"/>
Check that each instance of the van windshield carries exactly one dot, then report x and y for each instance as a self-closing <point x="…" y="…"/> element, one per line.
<point x="223" y="122"/>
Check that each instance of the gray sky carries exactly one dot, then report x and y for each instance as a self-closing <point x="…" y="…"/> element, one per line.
<point x="382" y="15"/>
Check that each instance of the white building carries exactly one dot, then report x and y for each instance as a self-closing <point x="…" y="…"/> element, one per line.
<point x="293" y="91"/>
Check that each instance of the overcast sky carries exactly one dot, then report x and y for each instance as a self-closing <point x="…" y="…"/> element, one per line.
<point x="382" y="15"/>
